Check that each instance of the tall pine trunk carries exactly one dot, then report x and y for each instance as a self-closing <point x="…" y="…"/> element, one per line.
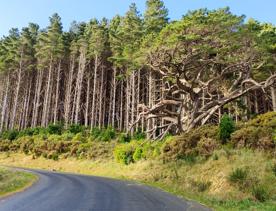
<point x="15" y="102"/>
<point x="5" y="104"/>
<point x="94" y="92"/>
<point x="56" y="109"/>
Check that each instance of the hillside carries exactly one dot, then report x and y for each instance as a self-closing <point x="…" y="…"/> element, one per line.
<point x="234" y="175"/>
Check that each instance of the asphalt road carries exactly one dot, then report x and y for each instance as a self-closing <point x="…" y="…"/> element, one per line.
<point x="65" y="192"/>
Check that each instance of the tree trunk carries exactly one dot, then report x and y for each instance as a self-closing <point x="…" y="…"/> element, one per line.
<point x="94" y="92"/>
<point x="82" y="64"/>
<point x="15" y="103"/>
<point x="57" y="94"/>
<point x="37" y="98"/>
<point x="121" y="105"/>
<point x="273" y="97"/>
<point x="87" y="102"/>
<point x="47" y="96"/>
<point x="67" y="103"/>
<point x="4" y="106"/>
<point x="101" y="104"/>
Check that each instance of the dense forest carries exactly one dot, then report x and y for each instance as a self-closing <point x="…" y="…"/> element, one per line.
<point x="138" y="71"/>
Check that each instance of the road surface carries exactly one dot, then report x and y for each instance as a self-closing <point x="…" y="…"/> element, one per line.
<point x="65" y="192"/>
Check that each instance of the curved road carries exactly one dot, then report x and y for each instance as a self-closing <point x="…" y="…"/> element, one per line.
<point x="66" y="192"/>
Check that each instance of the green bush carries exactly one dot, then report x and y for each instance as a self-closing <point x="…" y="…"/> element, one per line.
<point x="67" y="136"/>
<point x="75" y="128"/>
<point x="95" y="132"/>
<point x="226" y="128"/>
<point x="264" y="120"/>
<point x="123" y="153"/>
<point x="79" y="138"/>
<point x="53" y="156"/>
<point x="55" y="128"/>
<point x="139" y="135"/>
<point x="239" y="175"/>
<point x="253" y="137"/>
<point x="107" y="134"/>
<point x="138" y="154"/>
<point x="124" y="138"/>
<point x="260" y="193"/>
<point x="10" y="135"/>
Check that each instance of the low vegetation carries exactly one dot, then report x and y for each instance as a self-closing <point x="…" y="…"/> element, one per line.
<point x="226" y="172"/>
<point x="12" y="181"/>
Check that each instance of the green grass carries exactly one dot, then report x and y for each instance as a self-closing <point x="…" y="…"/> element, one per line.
<point x="12" y="181"/>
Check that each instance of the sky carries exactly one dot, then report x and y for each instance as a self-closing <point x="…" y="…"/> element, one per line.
<point x="18" y="13"/>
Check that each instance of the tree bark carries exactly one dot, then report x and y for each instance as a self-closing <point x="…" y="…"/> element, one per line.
<point x="15" y="103"/>
<point x="93" y="116"/>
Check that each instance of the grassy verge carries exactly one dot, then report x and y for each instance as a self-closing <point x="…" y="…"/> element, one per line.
<point x="12" y="181"/>
<point x="206" y="181"/>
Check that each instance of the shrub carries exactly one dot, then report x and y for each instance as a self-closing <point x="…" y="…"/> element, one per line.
<point x="260" y="193"/>
<point x="138" y="154"/>
<point x="265" y="120"/>
<point x="107" y="134"/>
<point x="189" y="144"/>
<point x="67" y="136"/>
<point x="239" y="175"/>
<point x="253" y="137"/>
<point x="53" y="156"/>
<point x="124" y="138"/>
<point x="79" y="138"/>
<point x="10" y="135"/>
<point x="139" y="135"/>
<point x="75" y="128"/>
<point x="95" y="132"/>
<point x="83" y="149"/>
<point x="226" y="128"/>
<point x="206" y="146"/>
<point x="123" y="153"/>
<point x="55" y="129"/>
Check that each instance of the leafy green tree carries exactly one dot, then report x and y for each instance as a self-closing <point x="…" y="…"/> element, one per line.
<point x="226" y="128"/>
<point x="155" y="17"/>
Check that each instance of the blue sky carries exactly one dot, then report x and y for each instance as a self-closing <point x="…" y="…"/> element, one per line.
<point x="18" y="13"/>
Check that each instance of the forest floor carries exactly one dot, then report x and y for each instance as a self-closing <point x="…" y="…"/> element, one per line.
<point x="206" y="181"/>
<point x="12" y="181"/>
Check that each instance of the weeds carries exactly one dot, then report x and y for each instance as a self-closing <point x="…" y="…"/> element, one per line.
<point x="239" y="175"/>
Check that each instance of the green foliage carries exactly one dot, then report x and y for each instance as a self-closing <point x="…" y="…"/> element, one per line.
<point x="124" y="138"/>
<point x="260" y="193"/>
<point x="138" y="154"/>
<point x="123" y="153"/>
<point x="10" y="135"/>
<point x="95" y="132"/>
<point x="105" y="134"/>
<point x="79" y="137"/>
<point x="226" y="128"/>
<point x="139" y="135"/>
<point x="108" y="134"/>
<point x="199" y="141"/>
<point x="55" y="128"/>
<point x="75" y="128"/>
<point x="238" y="175"/>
